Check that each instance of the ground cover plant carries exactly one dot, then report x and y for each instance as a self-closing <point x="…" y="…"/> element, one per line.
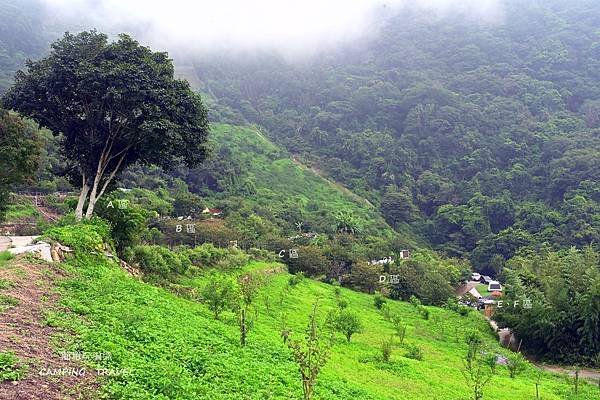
<point x="172" y="347"/>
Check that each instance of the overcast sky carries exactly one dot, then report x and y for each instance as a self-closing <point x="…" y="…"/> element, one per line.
<point x="289" y="26"/>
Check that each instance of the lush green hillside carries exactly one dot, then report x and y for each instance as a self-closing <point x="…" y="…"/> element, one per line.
<point x="174" y="349"/>
<point x="276" y="182"/>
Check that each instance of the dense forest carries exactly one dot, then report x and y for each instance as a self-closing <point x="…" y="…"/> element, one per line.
<point x="483" y="136"/>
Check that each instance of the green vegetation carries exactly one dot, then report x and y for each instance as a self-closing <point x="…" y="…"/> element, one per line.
<point x="20" y="211"/>
<point x="474" y="145"/>
<point x="515" y="364"/>
<point x="173" y="347"/>
<point x="483" y="289"/>
<point x="19" y="155"/>
<point x="219" y="294"/>
<point x="311" y="355"/>
<point x="11" y="368"/>
<point x="563" y="290"/>
<point x="5" y="257"/>
<point x="20" y="39"/>
<point x="281" y="187"/>
<point x="5" y="284"/>
<point x="477" y="370"/>
<point x="7" y="301"/>
<point x="345" y="322"/>
<point x="482" y="137"/>
<point x="75" y="92"/>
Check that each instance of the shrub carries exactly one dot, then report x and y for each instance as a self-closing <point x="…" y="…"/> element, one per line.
<point x="128" y="224"/>
<point x="379" y="301"/>
<point x="463" y="311"/>
<point x="160" y="261"/>
<point x="342" y="303"/>
<point x="476" y="372"/>
<point x="414" y="301"/>
<point x="345" y="322"/>
<point x="296" y="279"/>
<point x="234" y="259"/>
<point x="208" y="255"/>
<point x="490" y="361"/>
<point x="262" y="254"/>
<point x="220" y="293"/>
<point x="285" y="331"/>
<point x="515" y="364"/>
<point x="399" y="327"/>
<point x="387" y="346"/>
<point x="249" y="285"/>
<point x="187" y="203"/>
<point x="310" y="260"/>
<point x="364" y="277"/>
<point x="89" y="235"/>
<point x="473" y="337"/>
<point x="414" y="352"/>
<point x="310" y="355"/>
<point x="337" y="291"/>
<point x="5" y="257"/>
<point x="452" y="304"/>
<point x="423" y="311"/>
<point x="5" y="284"/>
<point x="385" y="311"/>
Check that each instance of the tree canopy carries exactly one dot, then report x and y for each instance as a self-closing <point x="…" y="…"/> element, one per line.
<point x="116" y="104"/>
<point x="19" y="154"/>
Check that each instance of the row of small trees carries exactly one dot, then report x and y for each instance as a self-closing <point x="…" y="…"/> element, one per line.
<point x="223" y="292"/>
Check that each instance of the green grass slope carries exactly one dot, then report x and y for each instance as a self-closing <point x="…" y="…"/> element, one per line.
<point x="172" y="348"/>
<point x="280" y="179"/>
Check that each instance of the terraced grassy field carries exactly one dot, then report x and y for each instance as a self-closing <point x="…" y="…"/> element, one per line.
<point x="172" y="347"/>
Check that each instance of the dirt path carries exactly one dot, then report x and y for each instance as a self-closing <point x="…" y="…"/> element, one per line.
<point x="584" y="373"/>
<point x="24" y="333"/>
<point x="22" y="241"/>
<point x="5" y="243"/>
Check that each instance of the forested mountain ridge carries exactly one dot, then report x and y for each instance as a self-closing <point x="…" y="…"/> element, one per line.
<point x="22" y="36"/>
<point x="483" y="135"/>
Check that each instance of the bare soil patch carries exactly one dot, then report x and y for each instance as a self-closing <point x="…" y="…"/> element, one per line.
<point x="24" y="333"/>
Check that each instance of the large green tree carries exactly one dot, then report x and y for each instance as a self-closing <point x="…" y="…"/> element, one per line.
<point x="19" y="154"/>
<point x="116" y="103"/>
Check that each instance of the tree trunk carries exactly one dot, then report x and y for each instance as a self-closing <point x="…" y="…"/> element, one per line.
<point x="82" y="198"/>
<point x="91" y="205"/>
<point x="243" y="328"/>
<point x="97" y="180"/>
<point x="93" y="197"/>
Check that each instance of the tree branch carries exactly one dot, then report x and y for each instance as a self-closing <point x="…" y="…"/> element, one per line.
<point x="113" y="173"/>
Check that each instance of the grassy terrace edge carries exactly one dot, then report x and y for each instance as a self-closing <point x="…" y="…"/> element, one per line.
<point x="166" y="347"/>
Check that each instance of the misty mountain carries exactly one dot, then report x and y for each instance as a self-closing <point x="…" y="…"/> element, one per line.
<point x="481" y="133"/>
<point x="484" y="136"/>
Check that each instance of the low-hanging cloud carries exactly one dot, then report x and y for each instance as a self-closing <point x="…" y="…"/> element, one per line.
<point x="290" y="26"/>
